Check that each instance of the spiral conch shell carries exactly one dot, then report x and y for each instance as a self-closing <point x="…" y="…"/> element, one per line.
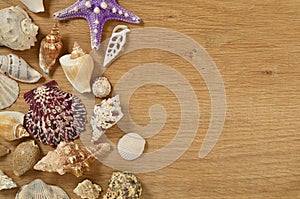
<point x="78" y="68"/>
<point x="86" y="189"/>
<point x="51" y="47"/>
<point x="25" y="156"/>
<point x="17" y="68"/>
<point x="37" y="189"/>
<point x="69" y="157"/>
<point x="17" y="31"/>
<point x="11" y="124"/>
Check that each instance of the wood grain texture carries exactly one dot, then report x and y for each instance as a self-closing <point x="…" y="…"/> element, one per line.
<point x="256" y="48"/>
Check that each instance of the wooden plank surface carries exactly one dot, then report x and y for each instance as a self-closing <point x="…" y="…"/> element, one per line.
<point x="255" y="46"/>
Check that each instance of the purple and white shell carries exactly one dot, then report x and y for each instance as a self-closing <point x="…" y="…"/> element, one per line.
<point x="53" y="115"/>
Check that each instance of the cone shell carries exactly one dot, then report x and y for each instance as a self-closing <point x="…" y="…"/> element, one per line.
<point x="34" y="5"/>
<point x="78" y="68"/>
<point x="68" y="158"/>
<point x="25" y="156"/>
<point x="4" y="150"/>
<point x="17" y="31"/>
<point x="17" y="68"/>
<point x="131" y="146"/>
<point x="11" y="125"/>
<point x="86" y="189"/>
<point x="51" y="47"/>
<point x="101" y="87"/>
<point x="6" y="182"/>
<point x="54" y="115"/>
<point x="9" y="90"/>
<point x="37" y="189"/>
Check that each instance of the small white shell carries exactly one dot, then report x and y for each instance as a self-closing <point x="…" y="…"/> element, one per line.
<point x="78" y="68"/>
<point x="34" y="5"/>
<point x="17" y="68"/>
<point x="9" y="90"/>
<point x="101" y="87"/>
<point x="131" y="146"/>
<point x="86" y="189"/>
<point x="17" y="31"/>
<point x="6" y="182"/>
<point x="116" y="43"/>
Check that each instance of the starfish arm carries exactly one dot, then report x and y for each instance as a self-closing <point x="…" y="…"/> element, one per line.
<point x="77" y="10"/>
<point x="119" y="13"/>
<point x="96" y="24"/>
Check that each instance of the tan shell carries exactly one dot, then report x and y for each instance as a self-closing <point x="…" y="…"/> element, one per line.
<point x="25" y="156"/>
<point x="6" y="182"/>
<point x="131" y="146"/>
<point x="51" y="47"/>
<point x="17" y="31"/>
<point x="11" y="125"/>
<point x="10" y="88"/>
<point x="69" y="157"/>
<point x="86" y="189"/>
<point x="101" y="87"/>
<point x="78" y="68"/>
<point x="37" y="189"/>
<point x="4" y="150"/>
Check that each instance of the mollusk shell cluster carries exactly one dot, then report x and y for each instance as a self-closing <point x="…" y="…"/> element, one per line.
<point x="6" y="182"/>
<point x="86" y="189"/>
<point x="9" y="90"/>
<point x="37" y="189"/>
<point x="78" y="68"/>
<point x="54" y="115"/>
<point x="17" y="31"/>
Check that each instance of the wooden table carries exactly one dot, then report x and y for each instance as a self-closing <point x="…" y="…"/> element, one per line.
<point x="255" y="46"/>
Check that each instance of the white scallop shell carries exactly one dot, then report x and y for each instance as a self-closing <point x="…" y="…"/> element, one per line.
<point x="34" y="5"/>
<point x="86" y="189"/>
<point x="17" y="31"/>
<point x="17" y="68"/>
<point x="101" y="87"/>
<point x="115" y="44"/>
<point x="79" y="69"/>
<point x="131" y="146"/>
<point x="9" y="90"/>
<point x="6" y="182"/>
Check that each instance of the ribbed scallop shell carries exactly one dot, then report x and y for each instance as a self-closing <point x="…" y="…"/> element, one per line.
<point x="37" y="189"/>
<point x="17" y="31"/>
<point x="17" y="68"/>
<point x="54" y="115"/>
<point x="25" y="156"/>
<point x="86" y="189"/>
<point x="131" y="146"/>
<point x="11" y="124"/>
<point x="9" y="90"/>
<point x="6" y="182"/>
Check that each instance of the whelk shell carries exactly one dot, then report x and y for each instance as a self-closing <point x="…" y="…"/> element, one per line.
<point x="131" y="146"/>
<point x="37" y="189"/>
<point x="54" y="115"/>
<point x="34" y="5"/>
<point x="78" y="68"/>
<point x="6" y="182"/>
<point x="69" y="157"/>
<point x="101" y="87"/>
<point x="51" y="47"/>
<point x="4" y="150"/>
<point x="9" y="90"/>
<point x="11" y="124"/>
<point x="17" y="31"/>
<point x="86" y="189"/>
<point x="25" y="156"/>
<point x="17" y="68"/>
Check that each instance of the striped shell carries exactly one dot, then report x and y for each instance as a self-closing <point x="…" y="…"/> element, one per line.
<point x="54" y="115"/>
<point x="17" y="68"/>
<point x="9" y="90"/>
<point x="131" y="146"/>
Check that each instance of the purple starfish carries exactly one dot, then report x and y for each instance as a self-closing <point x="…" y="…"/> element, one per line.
<point x="97" y="12"/>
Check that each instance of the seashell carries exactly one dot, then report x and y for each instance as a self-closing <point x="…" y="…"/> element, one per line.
<point x="115" y="44"/>
<point x="17" y="31"/>
<point x="86" y="189"/>
<point x="25" y="156"/>
<point x="53" y="115"/>
<point x="4" y="151"/>
<point x="17" y="68"/>
<point x="101" y="87"/>
<point x="123" y="185"/>
<point x="9" y="90"/>
<point x="11" y="125"/>
<point x="78" y="68"/>
<point x="106" y="114"/>
<point x="69" y="157"/>
<point x="131" y="146"/>
<point x="37" y="189"/>
<point x="6" y="182"/>
<point x="51" y="47"/>
<point x="34" y="5"/>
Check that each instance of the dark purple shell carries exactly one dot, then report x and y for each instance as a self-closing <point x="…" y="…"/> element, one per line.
<point x="53" y="115"/>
